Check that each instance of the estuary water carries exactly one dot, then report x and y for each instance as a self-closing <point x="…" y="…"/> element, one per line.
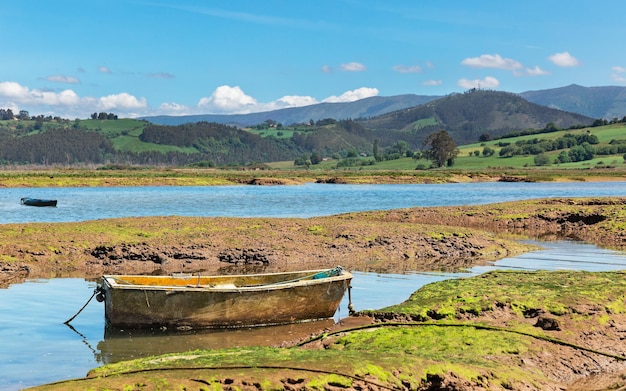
<point x="36" y="347"/>
<point x="79" y="204"/>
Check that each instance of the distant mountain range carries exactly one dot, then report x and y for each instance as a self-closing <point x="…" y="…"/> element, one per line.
<point x="597" y="102"/>
<point x="594" y="102"/>
<point x="363" y="108"/>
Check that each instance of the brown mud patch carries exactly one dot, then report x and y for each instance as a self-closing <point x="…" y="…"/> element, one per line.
<point x="239" y="245"/>
<point x="396" y="241"/>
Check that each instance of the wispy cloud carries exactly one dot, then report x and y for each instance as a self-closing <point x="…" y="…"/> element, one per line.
<point x="103" y="69"/>
<point x="619" y="74"/>
<point x="246" y="17"/>
<point x="536" y="71"/>
<point x="432" y="83"/>
<point x="492" y="61"/>
<point x="564" y="60"/>
<point x="407" y="68"/>
<point x="161" y="75"/>
<point x="353" y="67"/>
<point x="63" y="79"/>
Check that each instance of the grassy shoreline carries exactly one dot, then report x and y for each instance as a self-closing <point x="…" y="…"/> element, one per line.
<point x="77" y="177"/>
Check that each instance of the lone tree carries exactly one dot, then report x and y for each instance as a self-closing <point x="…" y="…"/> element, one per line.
<point x="440" y="148"/>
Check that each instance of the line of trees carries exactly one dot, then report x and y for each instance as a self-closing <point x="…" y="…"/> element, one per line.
<point x="537" y="146"/>
<point x="104" y="116"/>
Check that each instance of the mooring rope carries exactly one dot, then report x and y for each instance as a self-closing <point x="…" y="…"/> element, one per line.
<point x="95" y="291"/>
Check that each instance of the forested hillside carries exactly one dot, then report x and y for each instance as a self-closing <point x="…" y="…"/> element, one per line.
<point x="105" y="139"/>
<point x="468" y="116"/>
<point x="57" y="146"/>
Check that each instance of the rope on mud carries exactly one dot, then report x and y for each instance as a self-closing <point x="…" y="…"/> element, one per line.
<point x="476" y="326"/>
<point x="95" y="291"/>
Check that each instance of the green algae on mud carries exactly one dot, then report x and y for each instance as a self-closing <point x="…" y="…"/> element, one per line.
<point x="485" y="338"/>
<point x="522" y="293"/>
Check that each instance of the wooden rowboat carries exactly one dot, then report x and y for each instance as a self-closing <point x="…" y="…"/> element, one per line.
<point x="37" y="202"/>
<point x="187" y="301"/>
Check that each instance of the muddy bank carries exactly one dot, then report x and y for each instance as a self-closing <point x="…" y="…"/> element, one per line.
<point x="239" y="245"/>
<point x="396" y="241"/>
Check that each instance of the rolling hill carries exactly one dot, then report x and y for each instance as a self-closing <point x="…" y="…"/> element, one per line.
<point x="469" y="115"/>
<point x="596" y="102"/>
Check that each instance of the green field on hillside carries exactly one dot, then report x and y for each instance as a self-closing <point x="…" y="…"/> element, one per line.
<point x="124" y="134"/>
<point x="469" y="161"/>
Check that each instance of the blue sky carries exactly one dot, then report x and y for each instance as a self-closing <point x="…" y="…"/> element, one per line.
<point x="134" y="58"/>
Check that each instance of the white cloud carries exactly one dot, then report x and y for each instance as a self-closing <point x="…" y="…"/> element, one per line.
<point x="430" y="83"/>
<point x="353" y="67"/>
<point x="173" y="109"/>
<point x="224" y="100"/>
<point x="296" y="101"/>
<point x="536" y="71"/>
<point x="122" y="101"/>
<point x="487" y="82"/>
<point x="351" y="96"/>
<point x="563" y="60"/>
<point x="13" y="90"/>
<point x="327" y="69"/>
<point x="66" y="103"/>
<point x="63" y="79"/>
<point x="104" y="69"/>
<point x="407" y="69"/>
<point x="617" y="74"/>
<point x="492" y="61"/>
<point x="227" y="99"/>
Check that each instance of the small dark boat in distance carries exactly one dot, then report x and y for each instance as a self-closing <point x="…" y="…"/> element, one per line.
<point x="37" y="202"/>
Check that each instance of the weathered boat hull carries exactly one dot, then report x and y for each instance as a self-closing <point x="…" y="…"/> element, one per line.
<point x="222" y="301"/>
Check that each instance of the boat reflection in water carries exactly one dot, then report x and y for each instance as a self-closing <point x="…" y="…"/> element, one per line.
<point x="127" y="344"/>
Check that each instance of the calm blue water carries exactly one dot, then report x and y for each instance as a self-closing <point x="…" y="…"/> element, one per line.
<point x="36" y="347"/>
<point x="79" y="204"/>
